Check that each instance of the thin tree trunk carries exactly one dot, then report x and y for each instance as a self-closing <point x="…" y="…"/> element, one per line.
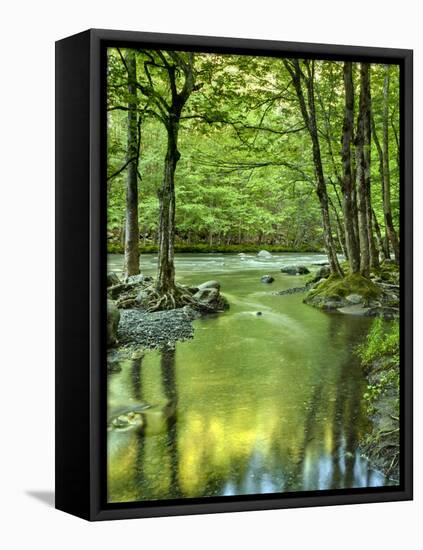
<point x="362" y="168"/>
<point x="132" y="255"/>
<point x="393" y="238"/>
<point x="378" y="232"/>
<point x="348" y="195"/>
<point x="373" y="251"/>
<point x="385" y="240"/>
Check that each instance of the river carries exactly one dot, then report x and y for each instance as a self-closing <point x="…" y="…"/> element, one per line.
<point x="253" y="404"/>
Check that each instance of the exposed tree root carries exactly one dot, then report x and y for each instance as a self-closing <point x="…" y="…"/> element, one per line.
<point x="175" y="298"/>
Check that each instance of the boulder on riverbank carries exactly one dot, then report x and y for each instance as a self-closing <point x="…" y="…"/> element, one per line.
<point x="335" y="292"/>
<point x="354" y="295"/>
<point x="322" y="273"/>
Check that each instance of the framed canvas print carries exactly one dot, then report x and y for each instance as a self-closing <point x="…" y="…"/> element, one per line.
<point x="234" y="274"/>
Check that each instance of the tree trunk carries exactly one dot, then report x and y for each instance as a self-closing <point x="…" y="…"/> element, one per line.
<point x="132" y="255"/>
<point x="362" y="172"/>
<point x="385" y="240"/>
<point x="165" y="285"/>
<point x="308" y="112"/>
<point x="393" y="238"/>
<point x="373" y="251"/>
<point x="379" y="237"/>
<point x="351" y="240"/>
<point x="166" y="267"/>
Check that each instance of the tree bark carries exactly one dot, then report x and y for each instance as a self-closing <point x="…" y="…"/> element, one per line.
<point x="392" y="234"/>
<point x="166" y="266"/>
<point x="378" y="232"/>
<point x="166" y="269"/>
<point x="385" y="240"/>
<point x="308" y="112"/>
<point x="132" y="255"/>
<point x="362" y="172"/>
<point x="351" y="239"/>
<point x="367" y="151"/>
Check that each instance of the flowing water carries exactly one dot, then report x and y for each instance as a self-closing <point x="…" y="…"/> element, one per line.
<point x="253" y="404"/>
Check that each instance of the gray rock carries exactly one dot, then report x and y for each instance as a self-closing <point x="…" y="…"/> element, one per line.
<point x="323" y="272"/>
<point x="113" y="318"/>
<point x="112" y="279"/>
<point x="138" y="279"/>
<point x="356" y="309"/>
<point x="354" y="299"/>
<point x="295" y="270"/>
<point x="142" y="298"/>
<point x="267" y="279"/>
<point x="206" y="295"/>
<point x="264" y="254"/>
<point x="209" y="284"/>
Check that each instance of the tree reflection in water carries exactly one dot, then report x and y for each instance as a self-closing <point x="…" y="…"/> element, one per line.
<point x="213" y="431"/>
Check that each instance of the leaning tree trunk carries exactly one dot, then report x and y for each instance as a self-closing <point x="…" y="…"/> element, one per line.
<point x="392" y="234"/>
<point x="351" y="239"/>
<point x="132" y="255"/>
<point x="166" y="268"/>
<point x="308" y="111"/>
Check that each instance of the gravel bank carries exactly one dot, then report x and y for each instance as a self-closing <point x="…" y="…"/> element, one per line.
<point x="155" y="330"/>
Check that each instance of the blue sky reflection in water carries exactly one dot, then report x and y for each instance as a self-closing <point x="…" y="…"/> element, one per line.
<point x="253" y="404"/>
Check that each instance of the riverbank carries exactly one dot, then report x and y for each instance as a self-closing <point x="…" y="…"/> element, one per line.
<point x="380" y="359"/>
<point x="114" y="247"/>
<point x="139" y="330"/>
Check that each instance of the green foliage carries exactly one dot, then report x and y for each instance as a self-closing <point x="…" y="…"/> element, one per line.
<point x="246" y="173"/>
<point x="382" y="341"/>
<point x="380" y="355"/>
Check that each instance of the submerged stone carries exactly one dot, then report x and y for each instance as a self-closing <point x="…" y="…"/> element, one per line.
<point x="267" y="279"/>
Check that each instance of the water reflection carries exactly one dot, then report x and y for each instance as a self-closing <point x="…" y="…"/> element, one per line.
<point x="251" y="405"/>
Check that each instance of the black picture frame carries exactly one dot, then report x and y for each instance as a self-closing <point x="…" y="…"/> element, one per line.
<point x="81" y="274"/>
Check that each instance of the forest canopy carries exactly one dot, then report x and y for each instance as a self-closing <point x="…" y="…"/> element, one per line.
<point x="285" y="153"/>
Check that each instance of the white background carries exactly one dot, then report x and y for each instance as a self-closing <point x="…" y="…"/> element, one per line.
<point x="28" y="31"/>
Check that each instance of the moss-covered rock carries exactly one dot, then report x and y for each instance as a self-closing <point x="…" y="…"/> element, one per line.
<point x="335" y="292"/>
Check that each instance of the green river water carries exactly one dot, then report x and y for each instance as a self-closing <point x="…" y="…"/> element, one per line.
<point x="253" y="404"/>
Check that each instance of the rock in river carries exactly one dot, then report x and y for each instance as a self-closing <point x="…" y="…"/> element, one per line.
<point x="209" y="284"/>
<point x="267" y="279"/>
<point x="264" y="254"/>
<point x="295" y="270"/>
